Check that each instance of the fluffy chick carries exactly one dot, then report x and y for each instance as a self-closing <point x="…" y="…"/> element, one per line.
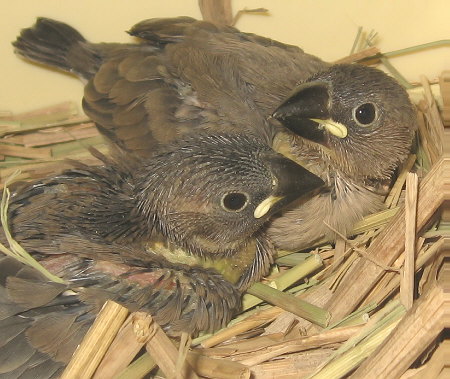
<point x="200" y="203"/>
<point x="353" y="126"/>
<point x="184" y="77"/>
<point x="179" y="235"/>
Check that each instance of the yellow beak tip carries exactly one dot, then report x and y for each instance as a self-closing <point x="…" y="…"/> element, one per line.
<point x="265" y="206"/>
<point x="336" y="128"/>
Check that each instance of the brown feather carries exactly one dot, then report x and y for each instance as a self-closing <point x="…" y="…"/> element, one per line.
<point x="137" y="68"/>
<point x="125" y="92"/>
<point x="32" y="293"/>
<point x="106" y="77"/>
<point x="49" y="332"/>
<point x="15" y="353"/>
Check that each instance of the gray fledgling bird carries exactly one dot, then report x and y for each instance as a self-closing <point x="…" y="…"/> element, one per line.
<point x="179" y="235"/>
<point x="186" y="76"/>
<point x="353" y="126"/>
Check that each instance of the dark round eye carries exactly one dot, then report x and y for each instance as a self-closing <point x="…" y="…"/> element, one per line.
<point x="365" y="114"/>
<point x="234" y="201"/>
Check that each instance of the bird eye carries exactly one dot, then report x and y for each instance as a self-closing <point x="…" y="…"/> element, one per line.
<point x="234" y="201"/>
<point x="365" y="114"/>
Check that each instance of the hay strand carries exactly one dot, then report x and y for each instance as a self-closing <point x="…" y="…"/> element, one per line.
<point x="97" y="340"/>
<point x="131" y="337"/>
<point x="301" y="308"/>
<point x="407" y="277"/>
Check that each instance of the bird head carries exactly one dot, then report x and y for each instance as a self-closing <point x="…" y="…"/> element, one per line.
<point x="211" y="194"/>
<point x="360" y="117"/>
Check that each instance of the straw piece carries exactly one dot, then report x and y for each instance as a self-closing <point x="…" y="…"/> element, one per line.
<point x="5" y="113"/>
<point x="54" y="135"/>
<point x="60" y="114"/>
<point x="362" y="252"/>
<point x="289" y="277"/>
<point x="431" y="131"/>
<point x="165" y="354"/>
<point x="217" y="12"/>
<point x="351" y="359"/>
<point x="415" y="373"/>
<point x="359" y="347"/>
<point x="293" y="346"/>
<point x="424" y="257"/>
<point x="285" y="320"/>
<point x="95" y="343"/>
<point x="253" y="321"/>
<point x="339" y="275"/>
<point x="418" y="329"/>
<point x="290" y="303"/>
<point x="139" y="368"/>
<point x="239" y="349"/>
<point x="424" y="155"/>
<point x="42" y="169"/>
<point x="374" y="221"/>
<point x="360" y="55"/>
<point x="131" y="337"/>
<point x="434" y="117"/>
<point x="339" y="252"/>
<point x="298" y="272"/>
<point x="360" y="316"/>
<point x="444" y="84"/>
<point x="394" y="195"/>
<point x="354" y="48"/>
<point x="407" y="278"/>
<point x="217" y="368"/>
<point x="292" y="259"/>
<point x="38" y="169"/>
<point x="183" y="348"/>
<point x="205" y="366"/>
<point x="318" y="295"/>
<point x="370" y="222"/>
<point x="392" y="311"/>
<point x="413" y="49"/>
<point x="437" y="367"/>
<point x="25" y="152"/>
<point x="293" y="366"/>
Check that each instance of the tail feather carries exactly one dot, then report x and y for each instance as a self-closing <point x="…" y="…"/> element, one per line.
<point x="58" y="45"/>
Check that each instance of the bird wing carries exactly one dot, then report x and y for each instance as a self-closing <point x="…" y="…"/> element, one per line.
<point x="42" y="323"/>
<point x="189" y="76"/>
<point x="84" y="201"/>
<point x="39" y="327"/>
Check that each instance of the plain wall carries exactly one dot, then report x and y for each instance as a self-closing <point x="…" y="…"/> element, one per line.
<point x="326" y="28"/>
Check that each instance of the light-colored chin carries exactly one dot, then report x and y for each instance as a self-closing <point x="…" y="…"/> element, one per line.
<point x="303" y="225"/>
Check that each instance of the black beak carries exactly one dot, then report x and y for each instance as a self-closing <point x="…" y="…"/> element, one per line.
<point x="291" y="182"/>
<point x="308" y="101"/>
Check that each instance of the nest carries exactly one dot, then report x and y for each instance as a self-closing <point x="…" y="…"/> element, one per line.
<point x="375" y="304"/>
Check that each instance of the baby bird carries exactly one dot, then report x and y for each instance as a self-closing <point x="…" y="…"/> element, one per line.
<point x="199" y="202"/>
<point x="351" y="125"/>
<point x="179" y="235"/>
<point x="186" y="76"/>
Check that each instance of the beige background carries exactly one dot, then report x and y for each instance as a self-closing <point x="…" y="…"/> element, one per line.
<point x="325" y="28"/>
